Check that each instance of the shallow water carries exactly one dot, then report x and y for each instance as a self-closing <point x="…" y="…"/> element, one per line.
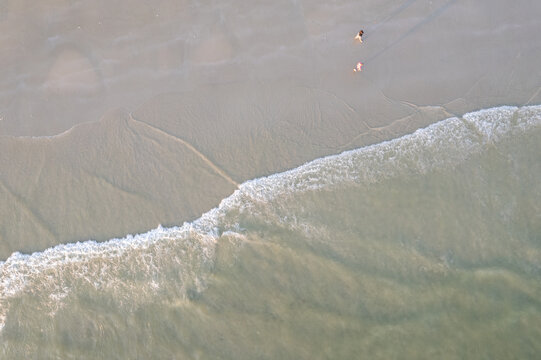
<point x="424" y="246"/>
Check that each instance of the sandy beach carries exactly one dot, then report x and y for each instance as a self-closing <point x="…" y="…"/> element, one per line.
<point x="308" y="211"/>
<point x="213" y="94"/>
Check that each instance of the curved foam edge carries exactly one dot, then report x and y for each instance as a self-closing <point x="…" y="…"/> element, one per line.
<point x="444" y="143"/>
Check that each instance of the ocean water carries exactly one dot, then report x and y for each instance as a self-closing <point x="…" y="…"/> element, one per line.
<point x="426" y="246"/>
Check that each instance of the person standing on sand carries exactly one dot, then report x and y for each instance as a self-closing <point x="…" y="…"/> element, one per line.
<point x="358" y="67"/>
<point x="359" y="36"/>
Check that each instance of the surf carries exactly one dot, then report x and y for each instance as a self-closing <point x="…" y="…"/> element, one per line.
<point x="137" y="260"/>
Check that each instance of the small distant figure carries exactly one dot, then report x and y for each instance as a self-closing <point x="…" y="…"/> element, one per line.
<point x="358" y="67"/>
<point x="359" y="36"/>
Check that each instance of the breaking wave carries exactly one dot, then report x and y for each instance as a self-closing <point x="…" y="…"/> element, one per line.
<point x="136" y="263"/>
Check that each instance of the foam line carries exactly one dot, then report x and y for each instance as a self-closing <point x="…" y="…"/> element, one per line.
<point x="445" y="143"/>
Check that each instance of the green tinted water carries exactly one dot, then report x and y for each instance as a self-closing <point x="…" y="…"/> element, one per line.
<point x="443" y="262"/>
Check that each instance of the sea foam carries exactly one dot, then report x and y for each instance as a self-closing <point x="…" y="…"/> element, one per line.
<point x="191" y="246"/>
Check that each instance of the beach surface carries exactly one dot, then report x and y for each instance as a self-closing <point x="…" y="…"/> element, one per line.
<point x="112" y="126"/>
<point x="307" y="211"/>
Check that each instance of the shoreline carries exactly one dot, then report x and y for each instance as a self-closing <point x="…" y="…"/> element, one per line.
<point x="206" y="224"/>
<point x="215" y="98"/>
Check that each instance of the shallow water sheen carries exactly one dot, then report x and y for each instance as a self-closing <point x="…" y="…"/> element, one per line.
<point x="427" y="246"/>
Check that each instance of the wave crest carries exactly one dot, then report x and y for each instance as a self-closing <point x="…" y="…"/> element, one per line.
<point x="135" y="264"/>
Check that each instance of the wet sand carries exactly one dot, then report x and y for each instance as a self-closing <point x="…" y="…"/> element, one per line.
<point x="218" y="93"/>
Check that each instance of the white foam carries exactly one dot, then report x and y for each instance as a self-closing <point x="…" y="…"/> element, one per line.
<point x="492" y="124"/>
<point x="47" y="271"/>
<point x="444" y="143"/>
<point x="441" y="144"/>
